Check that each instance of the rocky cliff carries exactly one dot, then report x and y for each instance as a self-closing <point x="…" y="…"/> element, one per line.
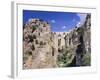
<point x="37" y="45"/>
<point x="76" y="50"/>
<point x="45" y="49"/>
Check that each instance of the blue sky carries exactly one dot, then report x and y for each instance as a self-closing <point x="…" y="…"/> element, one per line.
<point x="59" y="21"/>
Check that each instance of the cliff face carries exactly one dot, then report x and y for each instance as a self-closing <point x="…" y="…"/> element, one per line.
<point x="37" y="45"/>
<point x="76" y="48"/>
<point x="45" y="49"/>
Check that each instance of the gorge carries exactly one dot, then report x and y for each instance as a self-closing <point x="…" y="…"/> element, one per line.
<point x="43" y="48"/>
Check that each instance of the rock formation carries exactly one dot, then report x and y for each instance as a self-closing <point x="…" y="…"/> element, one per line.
<point x="37" y="43"/>
<point x="45" y="49"/>
<point x="77" y="46"/>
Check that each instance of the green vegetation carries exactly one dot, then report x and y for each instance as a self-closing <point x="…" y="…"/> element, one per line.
<point x="87" y="59"/>
<point x="80" y="30"/>
<point x="34" y="28"/>
<point x="64" y="58"/>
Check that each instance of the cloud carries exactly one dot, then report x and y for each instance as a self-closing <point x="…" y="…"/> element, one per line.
<point x="53" y="21"/>
<point x="82" y="17"/>
<point x="63" y="27"/>
<point x="78" y="24"/>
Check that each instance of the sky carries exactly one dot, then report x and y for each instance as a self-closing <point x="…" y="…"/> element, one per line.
<point x="59" y="21"/>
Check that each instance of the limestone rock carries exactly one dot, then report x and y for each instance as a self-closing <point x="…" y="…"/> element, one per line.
<point x="77" y="46"/>
<point x="37" y="44"/>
